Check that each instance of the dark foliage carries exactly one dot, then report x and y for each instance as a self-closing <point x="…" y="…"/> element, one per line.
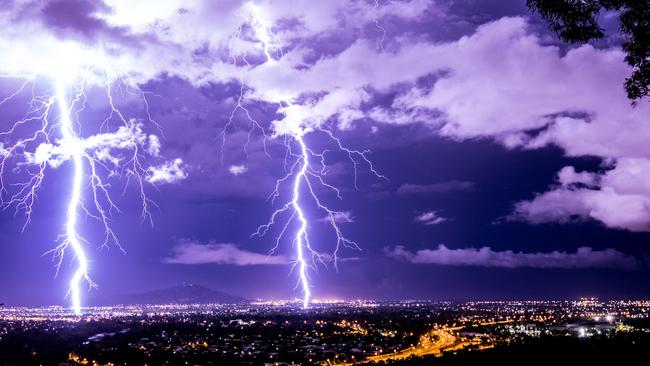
<point x="576" y="21"/>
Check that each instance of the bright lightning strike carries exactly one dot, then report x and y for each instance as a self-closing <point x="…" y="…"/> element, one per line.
<point x="71" y="236"/>
<point x="305" y="175"/>
<point x="51" y="142"/>
<point x="301" y="239"/>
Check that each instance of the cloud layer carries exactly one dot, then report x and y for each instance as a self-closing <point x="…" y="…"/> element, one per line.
<point x="430" y="218"/>
<point x="501" y="82"/>
<point x="441" y="187"/>
<point x="583" y="258"/>
<point x="619" y="197"/>
<point x="172" y="171"/>
<point x="191" y="252"/>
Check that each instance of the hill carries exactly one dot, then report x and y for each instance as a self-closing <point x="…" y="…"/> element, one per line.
<point x="184" y="294"/>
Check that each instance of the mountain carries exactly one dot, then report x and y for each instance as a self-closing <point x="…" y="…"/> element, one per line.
<point x="184" y="294"/>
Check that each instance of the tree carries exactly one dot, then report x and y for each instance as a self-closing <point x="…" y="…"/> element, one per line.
<point x="576" y="21"/>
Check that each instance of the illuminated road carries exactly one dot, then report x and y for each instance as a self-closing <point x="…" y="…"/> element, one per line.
<point x="431" y="343"/>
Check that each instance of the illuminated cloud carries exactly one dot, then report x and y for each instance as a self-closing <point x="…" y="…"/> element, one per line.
<point x="104" y="147"/>
<point x="340" y="217"/>
<point x="168" y="172"/>
<point x="430" y="218"/>
<point x="57" y="38"/>
<point x="564" y="95"/>
<point x="568" y="176"/>
<point x="237" y="169"/>
<point x="583" y="258"/>
<point x="619" y="198"/>
<point x="190" y="252"/>
<point x="189" y="39"/>
<point x="154" y="145"/>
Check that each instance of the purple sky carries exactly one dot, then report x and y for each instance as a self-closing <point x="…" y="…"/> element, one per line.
<point x="515" y="165"/>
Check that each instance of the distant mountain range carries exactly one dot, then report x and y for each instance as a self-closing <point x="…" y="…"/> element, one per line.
<point x="184" y="294"/>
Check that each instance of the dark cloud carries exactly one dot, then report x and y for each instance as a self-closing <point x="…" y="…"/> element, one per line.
<point x="80" y="20"/>
<point x="79" y="16"/>
<point x="583" y="258"/>
<point x="441" y="187"/>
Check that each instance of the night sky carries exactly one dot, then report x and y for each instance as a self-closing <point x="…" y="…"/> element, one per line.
<point x="515" y="167"/>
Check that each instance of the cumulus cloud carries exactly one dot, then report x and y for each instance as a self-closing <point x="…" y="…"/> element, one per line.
<point x="583" y="258"/>
<point x="506" y="102"/>
<point x="430" y="218"/>
<point x="339" y="217"/>
<point x="190" y="252"/>
<point x="109" y="147"/>
<point x="154" y="145"/>
<point x="169" y="172"/>
<point x="568" y="176"/>
<point x="56" y="38"/>
<point x="237" y="169"/>
<point x="441" y="187"/>
<point x="619" y="198"/>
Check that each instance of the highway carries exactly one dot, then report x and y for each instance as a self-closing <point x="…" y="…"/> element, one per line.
<point x="433" y="343"/>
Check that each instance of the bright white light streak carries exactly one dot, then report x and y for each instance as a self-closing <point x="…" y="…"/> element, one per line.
<point x="71" y="237"/>
<point x="301" y="235"/>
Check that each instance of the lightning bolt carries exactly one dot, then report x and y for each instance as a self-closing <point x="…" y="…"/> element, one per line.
<point x="306" y="173"/>
<point x="94" y="152"/>
<point x="380" y="42"/>
<point x="301" y="238"/>
<point x="72" y="238"/>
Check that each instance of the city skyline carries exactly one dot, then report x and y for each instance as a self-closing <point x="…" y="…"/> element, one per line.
<point x="333" y="333"/>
